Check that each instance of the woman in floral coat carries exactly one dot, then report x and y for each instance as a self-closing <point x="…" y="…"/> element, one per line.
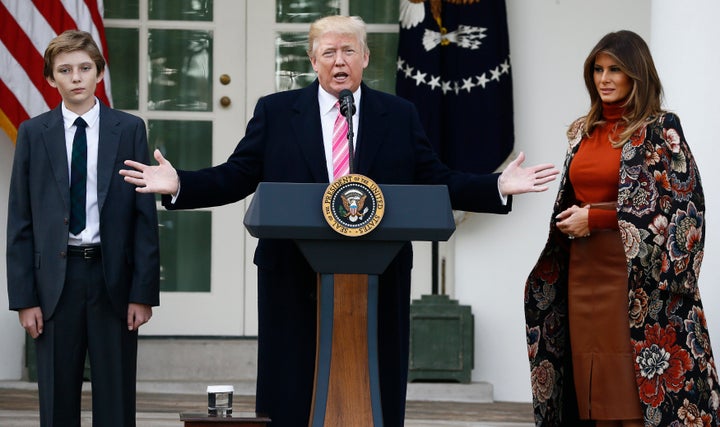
<point x="660" y="370"/>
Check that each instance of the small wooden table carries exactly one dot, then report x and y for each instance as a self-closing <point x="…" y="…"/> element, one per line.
<point x="237" y="419"/>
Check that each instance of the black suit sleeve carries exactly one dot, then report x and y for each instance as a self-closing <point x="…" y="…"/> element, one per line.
<point x="22" y="292"/>
<point x="228" y="182"/>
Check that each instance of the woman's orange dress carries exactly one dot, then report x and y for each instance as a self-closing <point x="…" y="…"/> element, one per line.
<point x="602" y="356"/>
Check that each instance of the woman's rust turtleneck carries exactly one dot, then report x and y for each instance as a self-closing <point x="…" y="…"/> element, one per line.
<point x="595" y="167"/>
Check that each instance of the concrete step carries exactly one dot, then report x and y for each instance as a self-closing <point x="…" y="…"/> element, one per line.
<point x="189" y="365"/>
<point x="477" y="392"/>
<point x="214" y="360"/>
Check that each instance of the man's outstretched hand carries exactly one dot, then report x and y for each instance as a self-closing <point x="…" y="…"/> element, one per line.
<point x="516" y="179"/>
<point x="161" y="179"/>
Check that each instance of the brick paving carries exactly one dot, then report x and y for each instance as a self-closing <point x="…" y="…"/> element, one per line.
<point x="23" y="402"/>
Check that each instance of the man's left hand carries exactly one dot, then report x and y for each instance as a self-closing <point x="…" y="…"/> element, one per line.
<point x="516" y="179"/>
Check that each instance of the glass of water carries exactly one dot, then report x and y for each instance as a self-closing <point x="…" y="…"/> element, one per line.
<point x="220" y="399"/>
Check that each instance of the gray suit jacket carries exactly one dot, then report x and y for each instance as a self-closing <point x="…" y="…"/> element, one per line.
<point x="39" y="211"/>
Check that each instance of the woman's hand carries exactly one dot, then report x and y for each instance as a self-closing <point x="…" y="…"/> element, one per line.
<point x="573" y="221"/>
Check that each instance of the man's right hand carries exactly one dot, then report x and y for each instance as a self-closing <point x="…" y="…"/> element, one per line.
<point x="32" y="320"/>
<point x="161" y="179"/>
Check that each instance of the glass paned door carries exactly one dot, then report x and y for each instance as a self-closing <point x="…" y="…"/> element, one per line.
<point x="169" y="56"/>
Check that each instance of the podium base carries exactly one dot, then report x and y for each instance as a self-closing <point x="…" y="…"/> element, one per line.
<point x="347" y="385"/>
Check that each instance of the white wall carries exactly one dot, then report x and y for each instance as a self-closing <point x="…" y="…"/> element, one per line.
<point x="11" y="334"/>
<point x="685" y="42"/>
<point x="549" y="42"/>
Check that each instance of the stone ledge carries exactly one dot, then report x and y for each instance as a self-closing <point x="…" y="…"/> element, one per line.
<point x="216" y="361"/>
<point x="479" y="392"/>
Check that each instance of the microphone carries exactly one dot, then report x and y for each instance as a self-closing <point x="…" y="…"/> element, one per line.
<point x="347" y="109"/>
<point x="347" y="103"/>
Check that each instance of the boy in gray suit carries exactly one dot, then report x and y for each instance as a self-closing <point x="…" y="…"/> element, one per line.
<point x="82" y="246"/>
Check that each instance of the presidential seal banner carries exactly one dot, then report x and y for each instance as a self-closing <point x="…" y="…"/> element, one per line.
<point x="454" y="64"/>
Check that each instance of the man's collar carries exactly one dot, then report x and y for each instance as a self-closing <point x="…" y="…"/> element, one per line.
<point x="327" y="101"/>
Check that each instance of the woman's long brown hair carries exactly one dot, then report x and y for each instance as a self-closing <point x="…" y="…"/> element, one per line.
<point x="634" y="59"/>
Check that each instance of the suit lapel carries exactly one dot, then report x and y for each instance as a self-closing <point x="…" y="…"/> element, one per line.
<point x="373" y="124"/>
<point x="308" y="130"/>
<point x="54" y="139"/>
<point x="107" y="152"/>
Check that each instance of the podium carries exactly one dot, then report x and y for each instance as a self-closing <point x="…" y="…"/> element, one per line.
<point x="347" y="384"/>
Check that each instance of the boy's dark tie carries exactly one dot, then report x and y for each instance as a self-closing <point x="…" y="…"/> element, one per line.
<point x="78" y="178"/>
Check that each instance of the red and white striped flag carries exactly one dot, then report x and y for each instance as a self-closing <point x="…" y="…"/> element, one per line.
<point x="26" y="28"/>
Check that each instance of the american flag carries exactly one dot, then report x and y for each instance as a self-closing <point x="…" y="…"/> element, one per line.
<point x="26" y="28"/>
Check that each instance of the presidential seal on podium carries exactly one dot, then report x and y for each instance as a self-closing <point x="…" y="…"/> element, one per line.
<point x="353" y="205"/>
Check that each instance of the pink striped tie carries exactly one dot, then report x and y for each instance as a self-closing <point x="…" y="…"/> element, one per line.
<point x="340" y="154"/>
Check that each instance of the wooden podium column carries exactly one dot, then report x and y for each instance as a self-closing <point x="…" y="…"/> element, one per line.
<point x="347" y="387"/>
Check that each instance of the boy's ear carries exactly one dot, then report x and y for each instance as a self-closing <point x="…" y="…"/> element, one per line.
<point x="100" y="76"/>
<point x="51" y="81"/>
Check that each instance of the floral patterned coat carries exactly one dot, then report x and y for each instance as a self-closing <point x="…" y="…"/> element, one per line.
<point x="662" y="223"/>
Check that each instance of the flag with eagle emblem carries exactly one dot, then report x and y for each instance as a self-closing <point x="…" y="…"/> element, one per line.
<point x="454" y="65"/>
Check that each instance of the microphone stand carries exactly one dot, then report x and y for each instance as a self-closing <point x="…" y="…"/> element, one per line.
<point x="351" y="150"/>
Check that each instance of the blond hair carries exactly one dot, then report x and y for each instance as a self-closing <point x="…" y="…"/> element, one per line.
<point x="344" y="25"/>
